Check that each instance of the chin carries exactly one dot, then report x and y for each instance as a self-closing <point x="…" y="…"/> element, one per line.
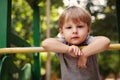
<point x="75" y="43"/>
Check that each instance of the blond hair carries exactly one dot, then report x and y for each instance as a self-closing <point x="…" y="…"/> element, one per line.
<point x="76" y="14"/>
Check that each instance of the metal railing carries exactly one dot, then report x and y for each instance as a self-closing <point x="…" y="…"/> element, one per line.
<point x="41" y="49"/>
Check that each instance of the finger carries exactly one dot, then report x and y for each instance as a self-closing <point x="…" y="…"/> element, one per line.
<point x="78" y="52"/>
<point x="81" y="53"/>
<point x="79" y="66"/>
<point x="85" y="66"/>
<point x="75" y="50"/>
<point x="82" y="66"/>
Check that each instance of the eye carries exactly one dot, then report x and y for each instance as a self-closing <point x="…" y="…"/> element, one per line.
<point x="79" y="26"/>
<point x="69" y="27"/>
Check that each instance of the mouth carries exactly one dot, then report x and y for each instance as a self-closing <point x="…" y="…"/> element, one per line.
<point x="75" y="37"/>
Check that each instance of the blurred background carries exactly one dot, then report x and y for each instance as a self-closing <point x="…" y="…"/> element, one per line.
<point x="104" y="22"/>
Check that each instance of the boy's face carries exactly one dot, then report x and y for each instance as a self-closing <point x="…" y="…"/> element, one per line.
<point x="75" y="33"/>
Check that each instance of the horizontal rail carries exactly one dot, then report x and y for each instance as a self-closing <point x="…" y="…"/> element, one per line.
<point x="21" y="50"/>
<point x="41" y="49"/>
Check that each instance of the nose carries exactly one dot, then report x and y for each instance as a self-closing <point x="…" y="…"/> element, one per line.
<point x="75" y="31"/>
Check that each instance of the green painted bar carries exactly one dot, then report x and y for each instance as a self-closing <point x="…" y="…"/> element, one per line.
<point x="118" y="21"/>
<point x="3" y="22"/>
<point x="36" y="35"/>
<point x="17" y="41"/>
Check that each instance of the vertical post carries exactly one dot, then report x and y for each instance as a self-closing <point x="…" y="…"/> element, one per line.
<point x="5" y="21"/>
<point x="36" y="35"/>
<point x="48" y="61"/>
<point x="118" y="21"/>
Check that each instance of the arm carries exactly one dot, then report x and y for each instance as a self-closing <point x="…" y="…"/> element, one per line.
<point x="54" y="45"/>
<point x="98" y="44"/>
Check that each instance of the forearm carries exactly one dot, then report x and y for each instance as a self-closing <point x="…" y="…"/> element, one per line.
<point x="52" y="44"/>
<point x="99" y="44"/>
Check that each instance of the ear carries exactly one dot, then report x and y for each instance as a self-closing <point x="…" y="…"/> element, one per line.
<point x="89" y="30"/>
<point x="61" y="32"/>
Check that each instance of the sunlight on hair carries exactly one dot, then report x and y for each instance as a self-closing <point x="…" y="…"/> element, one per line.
<point x="69" y="3"/>
<point x="60" y="10"/>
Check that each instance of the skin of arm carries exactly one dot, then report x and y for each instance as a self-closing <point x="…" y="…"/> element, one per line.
<point x="98" y="44"/>
<point x="54" y="45"/>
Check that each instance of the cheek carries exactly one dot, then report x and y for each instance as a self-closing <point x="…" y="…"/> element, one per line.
<point x="85" y="31"/>
<point x="83" y="34"/>
<point x="65" y="34"/>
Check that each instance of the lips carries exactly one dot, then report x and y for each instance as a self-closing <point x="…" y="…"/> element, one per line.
<point x="75" y="37"/>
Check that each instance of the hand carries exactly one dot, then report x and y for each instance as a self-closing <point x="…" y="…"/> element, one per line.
<point x="74" y="51"/>
<point x="82" y="61"/>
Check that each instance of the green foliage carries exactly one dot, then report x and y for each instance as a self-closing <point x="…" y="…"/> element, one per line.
<point x="55" y="65"/>
<point x="109" y="63"/>
<point x="109" y="24"/>
<point x="22" y="19"/>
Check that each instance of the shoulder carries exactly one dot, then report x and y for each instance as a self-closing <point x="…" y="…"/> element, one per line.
<point x="60" y="38"/>
<point x="89" y="39"/>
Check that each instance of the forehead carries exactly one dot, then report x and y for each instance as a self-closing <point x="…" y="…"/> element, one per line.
<point x="76" y="15"/>
<point x="73" y="22"/>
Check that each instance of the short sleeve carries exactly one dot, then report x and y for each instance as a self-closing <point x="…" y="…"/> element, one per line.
<point x="60" y="38"/>
<point x="89" y="39"/>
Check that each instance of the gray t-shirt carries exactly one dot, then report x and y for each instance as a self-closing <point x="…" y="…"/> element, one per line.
<point x="69" y="69"/>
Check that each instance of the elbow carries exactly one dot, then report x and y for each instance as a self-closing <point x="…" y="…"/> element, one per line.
<point x="103" y="41"/>
<point x="106" y="42"/>
<point x="45" y="43"/>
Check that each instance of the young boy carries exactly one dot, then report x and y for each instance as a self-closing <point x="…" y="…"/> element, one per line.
<point x="75" y="27"/>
